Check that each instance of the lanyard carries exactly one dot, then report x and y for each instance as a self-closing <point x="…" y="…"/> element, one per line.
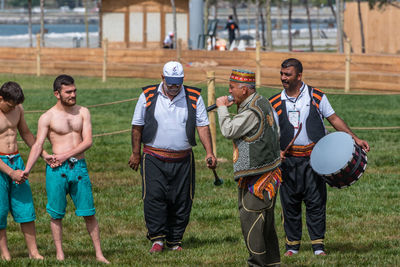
<point x="294" y="101"/>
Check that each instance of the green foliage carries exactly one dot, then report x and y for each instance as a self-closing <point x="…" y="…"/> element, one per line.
<point x="362" y="220"/>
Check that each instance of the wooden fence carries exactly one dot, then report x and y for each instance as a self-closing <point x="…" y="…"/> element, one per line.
<point x="323" y="70"/>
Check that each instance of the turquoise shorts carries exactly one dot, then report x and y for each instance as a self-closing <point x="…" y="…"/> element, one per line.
<point x="16" y="198"/>
<point x="70" y="178"/>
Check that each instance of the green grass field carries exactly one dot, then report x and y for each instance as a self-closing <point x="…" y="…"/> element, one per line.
<point x="362" y="220"/>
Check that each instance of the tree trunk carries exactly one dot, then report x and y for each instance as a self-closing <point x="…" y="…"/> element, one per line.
<point x="279" y="22"/>
<point x="290" y="26"/>
<point x="42" y="23"/>
<point x="174" y="22"/>
<point x="361" y="27"/>
<point x="343" y="33"/>
<point x="235" y="16"/>
<point x="269" y="24"/>
<point x="206" y="13"/>
<point x="86" y="23"/>
<point x="257" y="26"/>
<point x="262" y="27"/>
<point x="99" y="3"/>
<point x="216" y="10"/>
<point x="309" y="25"/>
<point x="30" y="22"/>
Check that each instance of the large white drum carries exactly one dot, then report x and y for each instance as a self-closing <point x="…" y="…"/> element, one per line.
<point x="338" y="159"/>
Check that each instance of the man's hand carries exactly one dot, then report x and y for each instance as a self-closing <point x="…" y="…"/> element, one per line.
<point x="211" y="164"/>
<point x="282" y="156"/>
<point x="134" y="161"/>
<point x="58" y="160"/>
<point x="223" y="101"/>
<point x="18" y="176"/>
<point x="362" y="143"/>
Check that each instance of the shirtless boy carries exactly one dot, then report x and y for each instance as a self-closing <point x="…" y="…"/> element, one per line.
<point x="69" y="130"/>
<point x="15" y="192"/>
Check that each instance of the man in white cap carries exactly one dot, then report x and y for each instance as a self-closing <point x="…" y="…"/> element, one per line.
<point x="165" y="119"/>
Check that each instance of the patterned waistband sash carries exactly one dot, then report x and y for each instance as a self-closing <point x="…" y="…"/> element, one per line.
<point x="166" y="154"/>
<point x="269" y="181"/>
<point x="301" y="151"/>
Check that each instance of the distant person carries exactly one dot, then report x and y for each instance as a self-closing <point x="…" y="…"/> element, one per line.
<point x="231" y="26"/>
<point x="15" y="192"/>
<point x="169" y="41"/>
<point x="165" y="120"/>
<point x="69" y="130"/>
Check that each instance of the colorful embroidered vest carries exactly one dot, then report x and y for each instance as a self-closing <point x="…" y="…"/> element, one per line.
<point x="150" y="124"/>
<point x="314" y="124"/>
<point x="258" y="151"/>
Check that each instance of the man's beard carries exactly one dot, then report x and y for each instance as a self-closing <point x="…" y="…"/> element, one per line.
<point x="66" y="103"/>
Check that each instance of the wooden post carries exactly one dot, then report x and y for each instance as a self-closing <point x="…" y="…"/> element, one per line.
<point x="179" y="50"/>
<point x="258" y="65"/>
<point x="347" y="51"/>
<point x="86" y="23"/>
<point x="211" y="115"/>
<point x="105" y="53"/>
<point x="38" y="54"/>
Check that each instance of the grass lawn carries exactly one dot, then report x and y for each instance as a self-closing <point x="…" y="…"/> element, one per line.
<point x="362" y="220"/>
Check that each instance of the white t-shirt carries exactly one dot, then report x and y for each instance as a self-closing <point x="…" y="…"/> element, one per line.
<point x="171" y="116"/>
<point x="302" y="104"/>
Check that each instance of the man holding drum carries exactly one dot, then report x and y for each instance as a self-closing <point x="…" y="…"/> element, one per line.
<point x="302" y="105"/>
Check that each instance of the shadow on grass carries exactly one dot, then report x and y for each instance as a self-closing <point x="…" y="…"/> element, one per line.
<point x="196" y="242"/>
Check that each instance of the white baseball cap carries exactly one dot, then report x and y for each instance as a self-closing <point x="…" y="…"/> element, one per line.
<point x="173" y="72"/>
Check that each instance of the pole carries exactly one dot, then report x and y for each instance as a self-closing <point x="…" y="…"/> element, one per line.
<point x="347" y="51"/>
<point x="211" y="115"/>
<point x="179" y="50"/>
<point x="105" y="53"/>
<point x="86" y="23"/>
<point x="38" y="54"/>
<point x="258" y="65"/>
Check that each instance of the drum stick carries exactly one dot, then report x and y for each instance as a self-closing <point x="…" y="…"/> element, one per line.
<point x="294" y="138"/>
<point x="218" y="181"/>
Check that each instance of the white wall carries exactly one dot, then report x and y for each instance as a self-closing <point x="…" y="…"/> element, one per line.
<point x="181" y="24"/>
<point x="136" y="27"/>
<point x="114" y="26"/>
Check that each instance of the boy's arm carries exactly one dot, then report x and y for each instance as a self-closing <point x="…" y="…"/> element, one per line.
<point x="27" y="135"/>
<point x="16" y="175"/>
<point x="37" y="147"/>
<point x="86" y="139"/>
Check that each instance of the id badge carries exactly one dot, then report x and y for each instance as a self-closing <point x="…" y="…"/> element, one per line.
<point x="294" y="118"/>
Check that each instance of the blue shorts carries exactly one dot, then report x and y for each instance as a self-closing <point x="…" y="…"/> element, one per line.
<point x="70" y="178"/>
<point x="16" y="198"/>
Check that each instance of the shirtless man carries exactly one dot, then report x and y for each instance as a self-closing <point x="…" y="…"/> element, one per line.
<point x="15" y="192"/>
<point x="69" y="130"/>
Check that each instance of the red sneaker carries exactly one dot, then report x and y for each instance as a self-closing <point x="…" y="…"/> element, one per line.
<point x="289" y="253"/>
<point x="322" y="254"/>
<point x="156" y="248"/>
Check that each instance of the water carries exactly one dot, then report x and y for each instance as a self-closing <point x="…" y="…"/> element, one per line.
<point x="21" y="29"/>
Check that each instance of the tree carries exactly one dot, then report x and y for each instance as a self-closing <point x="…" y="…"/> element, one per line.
<point x="269" y="23"/>
<point x="361" y="27"/>
<point x="290" y="25"/>
<point x="309" y="25"/>
<point x="174" y="22"/>
<point x="42" y="22"/>
<point x="30" y="22"/>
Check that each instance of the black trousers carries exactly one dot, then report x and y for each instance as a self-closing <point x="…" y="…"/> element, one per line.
<point x="258" y="229"/>
<point x="167" y="193"/>
<point x="301" y="183"/>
